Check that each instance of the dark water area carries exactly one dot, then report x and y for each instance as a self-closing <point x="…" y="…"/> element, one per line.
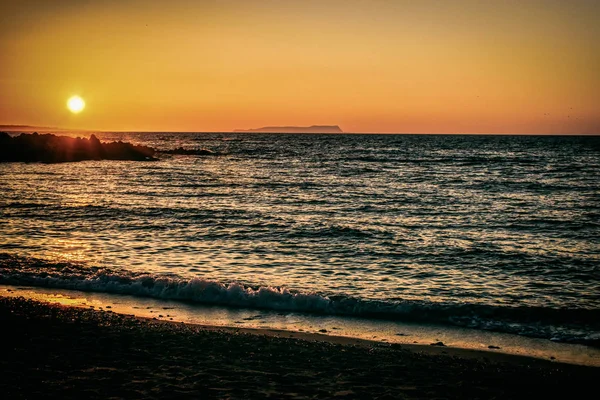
<point x="488" y="232"/>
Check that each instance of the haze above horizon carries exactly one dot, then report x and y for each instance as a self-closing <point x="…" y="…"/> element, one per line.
<point x="377" y="66"/>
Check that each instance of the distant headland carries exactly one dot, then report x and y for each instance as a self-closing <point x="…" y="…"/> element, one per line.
<point x="32" y="128"/>
<point x="295" y="129"/>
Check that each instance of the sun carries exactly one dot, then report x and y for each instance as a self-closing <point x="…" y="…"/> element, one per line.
<point x="75" y="104"/>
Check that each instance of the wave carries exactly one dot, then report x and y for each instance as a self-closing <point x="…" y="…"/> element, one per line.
<point x="337" y="231"/>
<point x="564" y="325"/>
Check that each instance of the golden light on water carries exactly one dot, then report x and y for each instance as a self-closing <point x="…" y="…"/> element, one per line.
<point x="75" y="104"/>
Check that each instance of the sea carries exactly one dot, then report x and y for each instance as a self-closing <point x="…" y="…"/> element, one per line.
<point x="351" y="234"/>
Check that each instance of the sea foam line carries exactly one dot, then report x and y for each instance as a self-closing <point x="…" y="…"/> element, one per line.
<point x="580" y="326"/>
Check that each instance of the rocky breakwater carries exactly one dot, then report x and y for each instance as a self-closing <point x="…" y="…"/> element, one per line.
<point x="50" y="148"/>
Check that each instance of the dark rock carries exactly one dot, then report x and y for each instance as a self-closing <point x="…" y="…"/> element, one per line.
<point x="441" y="344"/>
<point x="323" y="330"/>
<point x="493" y="347"/>
<point x="50" y="148"/>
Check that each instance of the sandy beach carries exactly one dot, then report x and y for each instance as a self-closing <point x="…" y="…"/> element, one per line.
<point x="53" y="351"/>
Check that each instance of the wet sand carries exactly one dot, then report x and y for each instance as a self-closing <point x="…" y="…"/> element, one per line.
<point x="53" y="351"/>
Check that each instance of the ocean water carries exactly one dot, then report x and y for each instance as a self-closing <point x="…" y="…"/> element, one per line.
<point x="498" y="233"/>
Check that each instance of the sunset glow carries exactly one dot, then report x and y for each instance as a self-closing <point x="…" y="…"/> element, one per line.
<point x="376" y="66"/>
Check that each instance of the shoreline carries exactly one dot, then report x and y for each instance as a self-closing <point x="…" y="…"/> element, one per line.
<point x="424" y="349"/>
<point x="337" y="328"/>
<point x="64" y="351"/>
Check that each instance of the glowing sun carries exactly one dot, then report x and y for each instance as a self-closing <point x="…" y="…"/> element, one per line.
<point x="75" y="104"/>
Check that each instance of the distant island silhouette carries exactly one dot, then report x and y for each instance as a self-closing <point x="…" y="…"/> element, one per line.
<point x="295" y="129"/>
<point x="30" y="128"/>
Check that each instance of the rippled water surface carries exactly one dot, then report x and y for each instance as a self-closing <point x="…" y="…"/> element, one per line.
<point x="426" y="222"/>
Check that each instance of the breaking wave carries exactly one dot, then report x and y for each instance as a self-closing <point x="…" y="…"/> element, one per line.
<point x="565" y="325"/>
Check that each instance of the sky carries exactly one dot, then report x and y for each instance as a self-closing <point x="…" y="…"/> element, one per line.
<point x="425" y="66"/>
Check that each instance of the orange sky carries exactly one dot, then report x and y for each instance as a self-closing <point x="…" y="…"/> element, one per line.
<point x="460" y="66"/>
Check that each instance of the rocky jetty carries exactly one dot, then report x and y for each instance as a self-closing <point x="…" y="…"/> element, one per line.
<point x="50" y="148"/>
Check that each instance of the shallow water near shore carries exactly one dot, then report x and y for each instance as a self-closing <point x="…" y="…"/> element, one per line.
<point x="384" y="332"/>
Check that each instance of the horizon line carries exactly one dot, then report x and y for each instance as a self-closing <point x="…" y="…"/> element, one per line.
<point x="33" y="128"/>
